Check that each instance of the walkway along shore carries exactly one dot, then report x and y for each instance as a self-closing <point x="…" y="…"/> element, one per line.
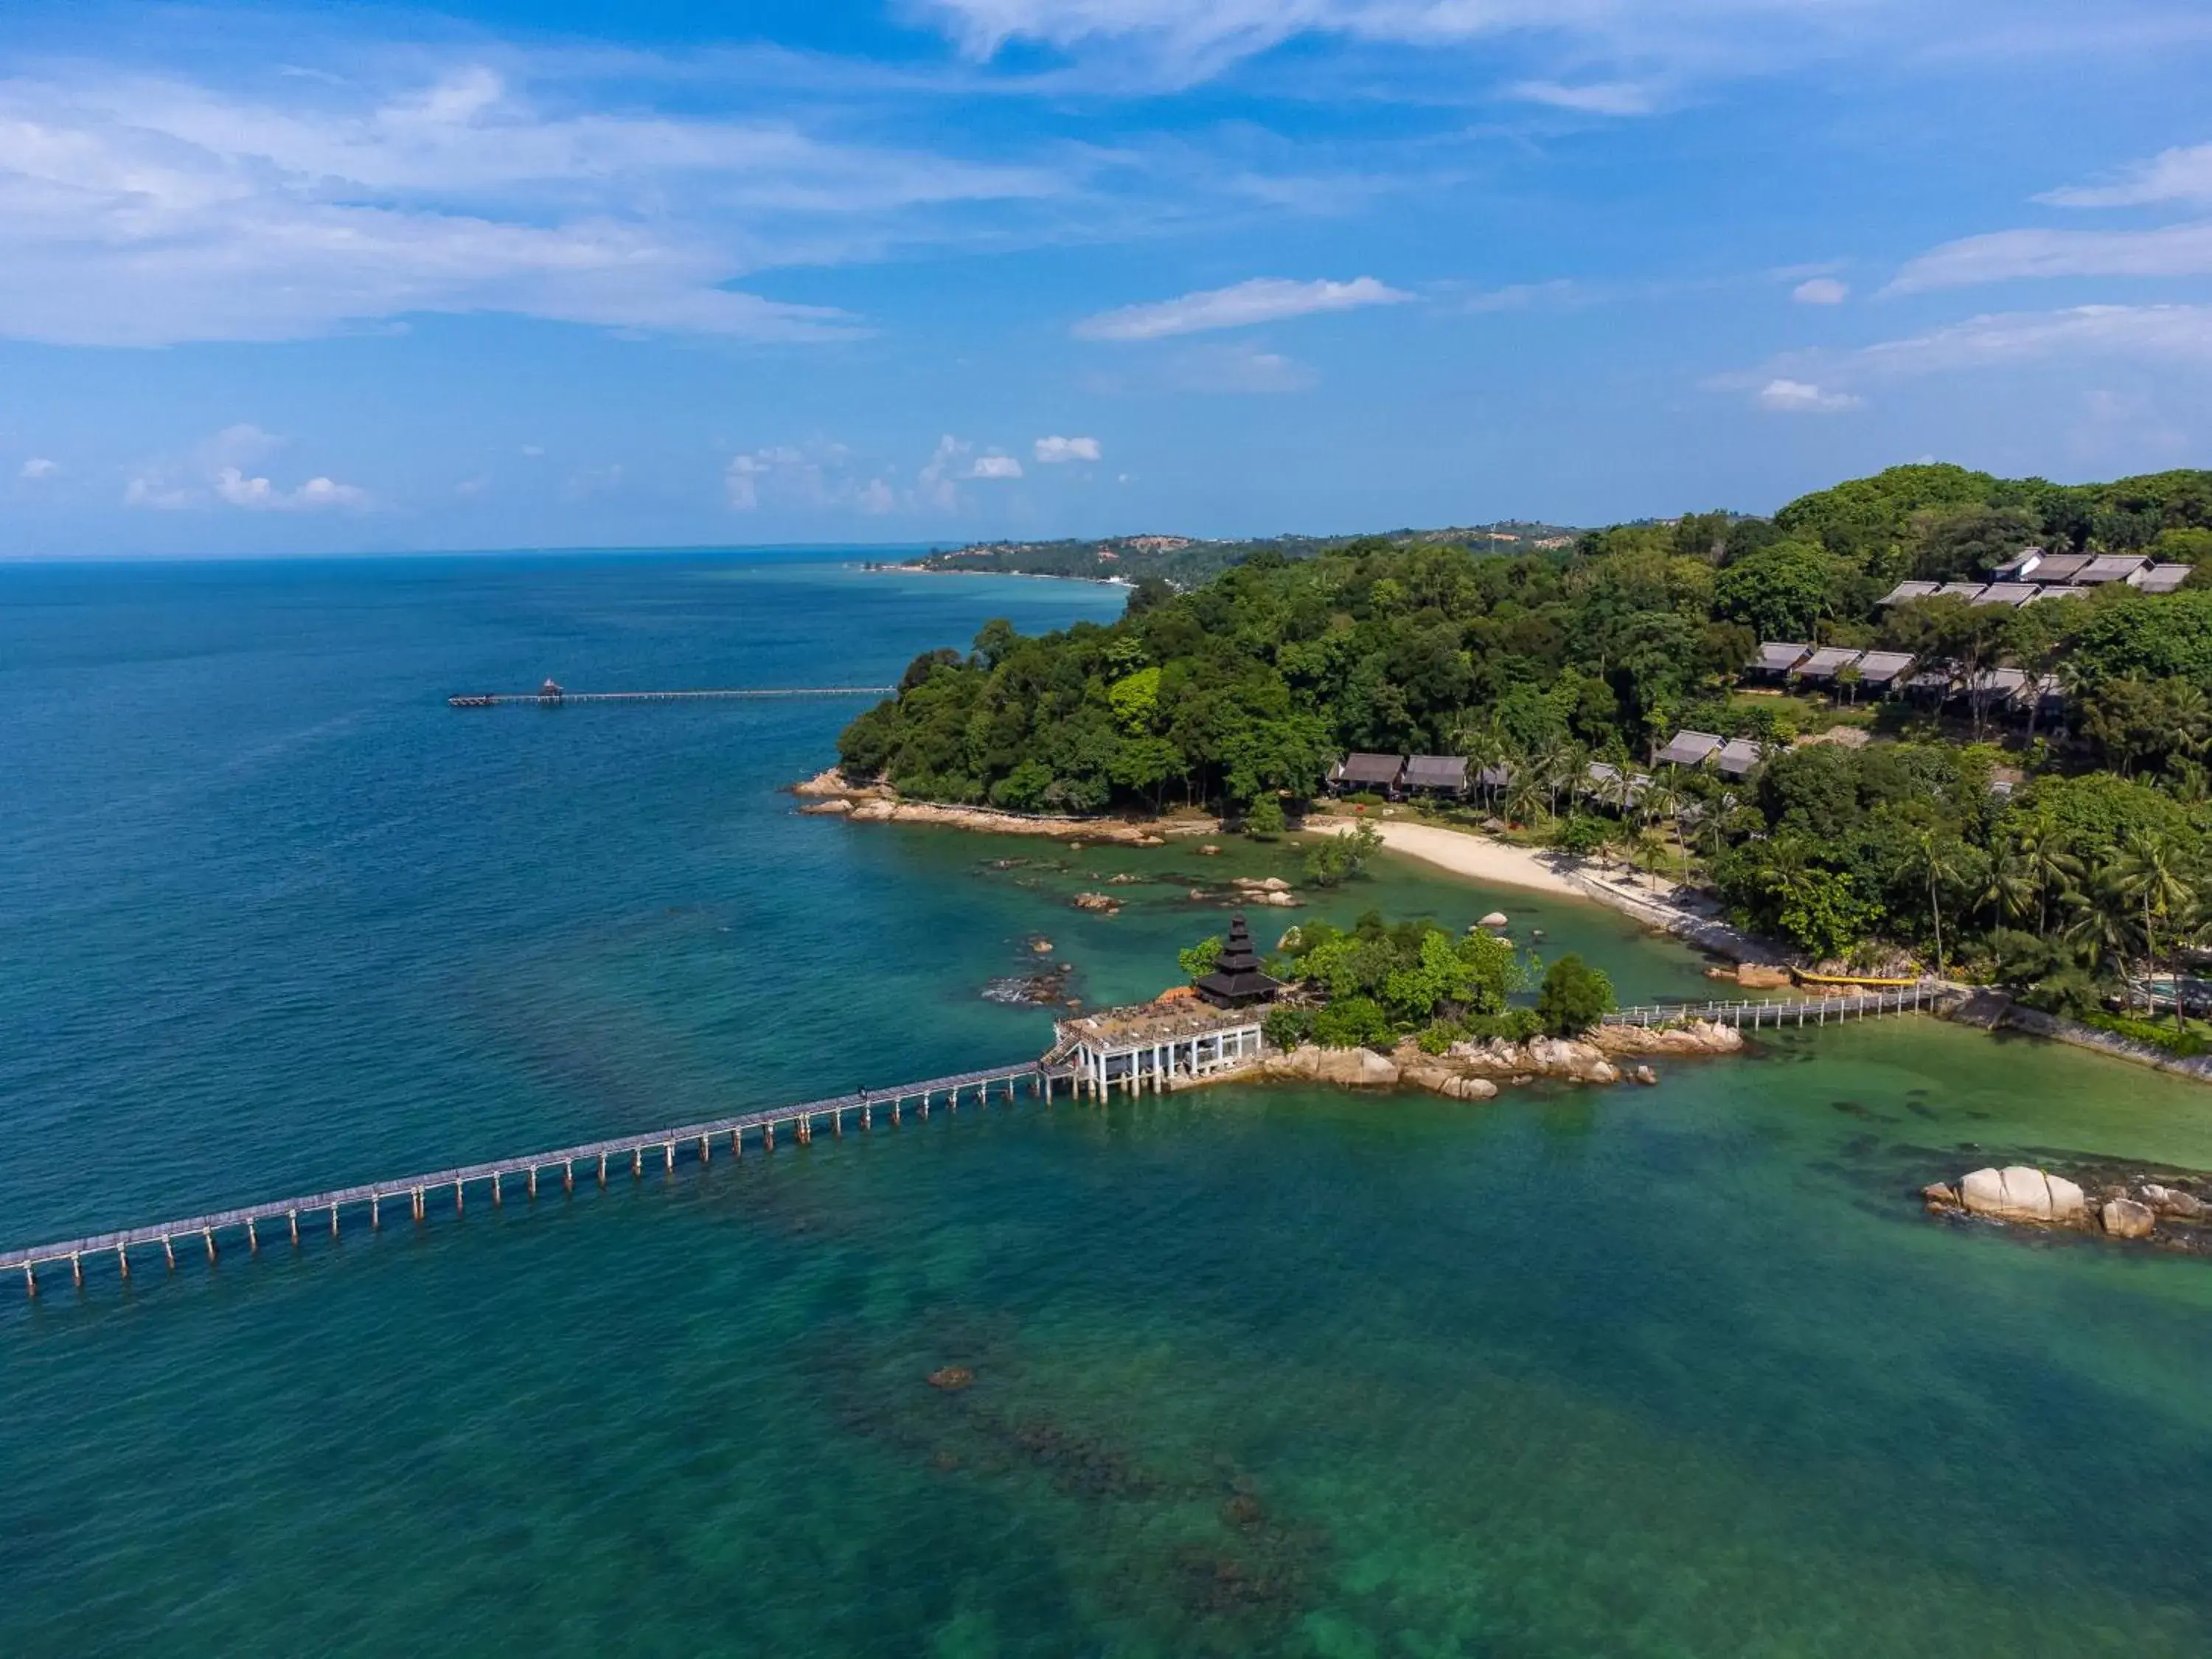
<point x="1666" y="906"/>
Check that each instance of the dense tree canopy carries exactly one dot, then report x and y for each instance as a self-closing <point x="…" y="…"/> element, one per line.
<point x="1239" y="693"/>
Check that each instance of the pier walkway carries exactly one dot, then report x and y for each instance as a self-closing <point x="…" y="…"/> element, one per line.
<point x="690" y="1141"/>
<point x="559" y="699"/>
<point x="1790" y="1011"/>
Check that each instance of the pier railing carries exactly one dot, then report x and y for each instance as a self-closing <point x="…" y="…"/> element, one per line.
<point x="689" y="1142"/>
<point x="1787" y="1011"/>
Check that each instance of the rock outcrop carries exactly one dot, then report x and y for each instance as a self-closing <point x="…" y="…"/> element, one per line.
<point x="1104" y="903"/>
<point x="1556" y="1057"/>
<point x="2019" y="1192"/>
<point x="2123" y="1217"/>
<point x="1697" y="1036"/>
<point x="1357" y="1068"/>
<point x="2172" y="1200"/>
<point x="1440" y="1076"/>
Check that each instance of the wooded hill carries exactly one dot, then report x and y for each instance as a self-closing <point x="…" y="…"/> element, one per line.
<point x="1241" y="691"/>
<point x="1183" y="561"/>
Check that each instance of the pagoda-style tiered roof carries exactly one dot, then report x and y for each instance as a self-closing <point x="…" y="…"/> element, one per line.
<point x="1237" y="979"/>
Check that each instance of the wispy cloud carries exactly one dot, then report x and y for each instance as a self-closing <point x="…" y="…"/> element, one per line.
<point x="2009" y="255"/>
<point x="1789" y="396"/>
<point x="1822" y="291"/>
<point x="38" y="466"/>
<point x="2158" y="334"/>
<point x="1239" y="369"/>
<point x="1055" y="452"/>
<point x="143" y="211"/>
<point x="1262" y="299"/>
<point x="215" y="472"/>
<point x="2173" y="175"/>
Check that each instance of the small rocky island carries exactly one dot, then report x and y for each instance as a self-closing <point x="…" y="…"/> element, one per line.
<point x="2166" y="1212"/>
<point x="1376" y="1007"/>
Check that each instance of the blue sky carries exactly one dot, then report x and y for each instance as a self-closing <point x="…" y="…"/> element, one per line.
<point x="354" y="278"/>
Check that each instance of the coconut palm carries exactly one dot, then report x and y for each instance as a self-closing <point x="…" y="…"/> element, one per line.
<point x="2146" y="873"/>
<point x="1935" y="860"/>
<point x="2008" y="893"/>
<point x="2049" y="865"/>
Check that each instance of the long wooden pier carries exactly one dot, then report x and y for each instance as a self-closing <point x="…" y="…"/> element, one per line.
<point x="1788" y="1011"/>
<point x="667" y="1147"/>
<point x="560" y="699"/>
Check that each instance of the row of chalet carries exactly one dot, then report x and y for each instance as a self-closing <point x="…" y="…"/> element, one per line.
<point x="1398" y="776"/>
<point x="1824" y="665"/>
<point x="2033" y="576"/>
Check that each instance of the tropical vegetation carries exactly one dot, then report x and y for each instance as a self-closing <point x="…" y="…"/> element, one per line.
<point x="2066" y="854"/>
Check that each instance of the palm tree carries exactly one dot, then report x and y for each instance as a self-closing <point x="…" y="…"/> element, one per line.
<point x="1524" y="795"/>
<point x="1937" y="861"/>
<point x="2008" y="894"/>
<point x="2146" y="873"/>
<point x="2044" y="857"/>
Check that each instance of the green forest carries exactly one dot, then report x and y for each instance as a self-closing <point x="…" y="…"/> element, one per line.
<point x="2062" y="854"/>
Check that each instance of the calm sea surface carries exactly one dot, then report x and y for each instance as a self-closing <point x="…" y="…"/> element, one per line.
<point x="1677" y="1372"/>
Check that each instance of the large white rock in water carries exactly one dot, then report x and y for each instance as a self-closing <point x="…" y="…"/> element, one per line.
<point x="2019" y="1192"/>
<point x="2125" y="1218"/>
<point x="1495" y="918"/>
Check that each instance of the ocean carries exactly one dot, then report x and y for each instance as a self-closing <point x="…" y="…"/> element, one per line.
<point x="1670" y="1371"/>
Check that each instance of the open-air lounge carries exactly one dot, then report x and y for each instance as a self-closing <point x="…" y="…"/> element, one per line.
<point x="1439" y="774"/>
<point x="1379" y="773"/>
<point x="1690" y="749"/>
<point x="1737" y="757"/>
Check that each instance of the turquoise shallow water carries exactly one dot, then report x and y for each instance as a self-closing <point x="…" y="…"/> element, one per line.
<point x="1669" y="1371"/>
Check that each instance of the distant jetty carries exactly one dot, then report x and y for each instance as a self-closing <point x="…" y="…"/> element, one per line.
<point x="552" y="695"/>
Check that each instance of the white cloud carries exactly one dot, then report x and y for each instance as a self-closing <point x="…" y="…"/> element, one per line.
<point x="143" y="210"/>
<point x="1262" y="299"/>
<point x="995" y="467"/>
<point x="39" y="467"/>
<point x="2173" y="175"/>
<point x="1822" y="291"/>
<point x="214" y="473"/>
<point x="2006" y="255"/>
<point x="1802" y="397"/>
<point x="1603" y="56"/>
<point x="2157" y="334"/>
<point x="1595" y="98"/>
<point x="877" y="497"/>
<point x="1052" y="451"/>
<point x="1239" y="368"/>
<point x="531" y="452"/>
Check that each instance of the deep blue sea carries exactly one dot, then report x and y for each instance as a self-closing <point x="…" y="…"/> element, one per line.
<point x="1676" y="1371"/>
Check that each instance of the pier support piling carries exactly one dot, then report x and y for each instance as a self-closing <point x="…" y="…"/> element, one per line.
<point x="169" y="1251"/>
<point x="637" y="1162"/>
<point x="123" y="1259"/>
<point x="569" y="1174"/>
<point x="498" y="1182"/>
<point x="419" y="1208"/>
<point x="293" y="1218"/>
<point x="460" y="1198"/>
<point x="208" y="1235"/>
<point x="30" y="1281"/>
<point x="252" y="1238"/>
<point x="668" y="1157"/>
<point x="530" y="1189"/>
<point x="76" y="1270"/>
<point x="375" y="1212"/>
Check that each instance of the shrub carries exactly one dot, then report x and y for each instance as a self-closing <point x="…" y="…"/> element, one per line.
<point x="1574" y="997"/>
<point x="1354" y="1023"/>
<point x="2184" y="1044"/>
<point x="1263" y="819"/>
<point x="1438" y="1038"/>
<point x="1514" y="1025"/>
<point x="1286" y="1028"/>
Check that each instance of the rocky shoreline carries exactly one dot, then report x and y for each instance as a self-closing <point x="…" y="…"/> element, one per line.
<point x="1475" y="1071"/>
<point x="828" y="795"/>
<point x="2166" y="1213"/>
